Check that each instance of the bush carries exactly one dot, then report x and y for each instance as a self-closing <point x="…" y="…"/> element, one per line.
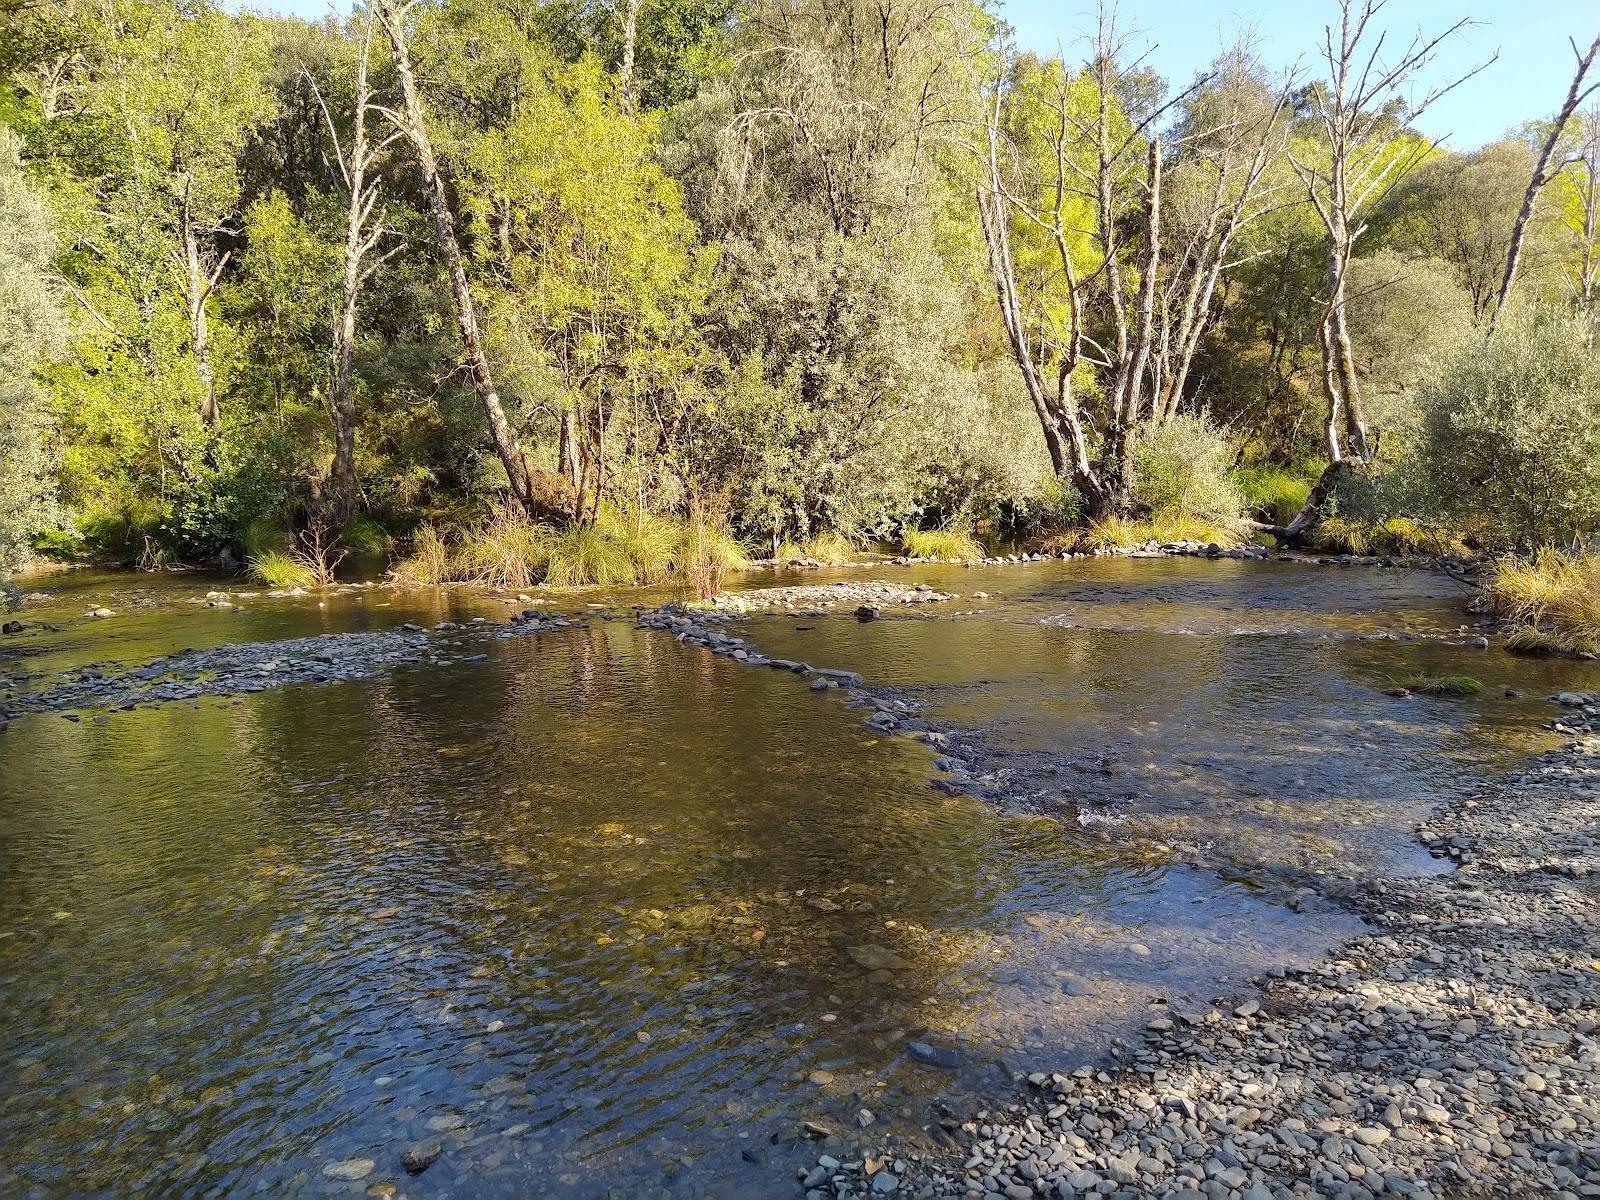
<point x="1509" y="439"/>
<point x="953" y="541"/>
<point x="1181" y="468"/>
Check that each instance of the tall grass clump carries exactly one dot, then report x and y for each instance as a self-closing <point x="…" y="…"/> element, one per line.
<point x="953" y="541"/>
<point x="706" y="555"/>
<point x="275" y="569"/>
<point x="650" y="540"/>
<point x="1552" y="599"/>
<point x="585" y="555"/>
<point x="508" y="552"/>
<point x="829" y="548"/>
<point x="429" y="562"/>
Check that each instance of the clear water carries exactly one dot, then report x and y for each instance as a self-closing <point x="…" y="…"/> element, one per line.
<point x="594" y="911"/>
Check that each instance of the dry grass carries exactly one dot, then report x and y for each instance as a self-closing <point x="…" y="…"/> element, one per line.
<point x="1552" y="598"/>
<point x="1394" y="535"/>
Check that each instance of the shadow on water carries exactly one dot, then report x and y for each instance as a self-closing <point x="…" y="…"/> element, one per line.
<point x="605" y="911"/>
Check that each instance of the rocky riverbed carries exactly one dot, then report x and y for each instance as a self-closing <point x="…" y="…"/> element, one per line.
<point x="1451" y="1051"/>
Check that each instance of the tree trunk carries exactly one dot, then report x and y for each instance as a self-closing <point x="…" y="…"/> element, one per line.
<point x="197" y="289"/>
<point x="630" y="29"/>
<point x="505" y="439"/>
<point x="1542" y="172"/>
<point x="568" y="453"/>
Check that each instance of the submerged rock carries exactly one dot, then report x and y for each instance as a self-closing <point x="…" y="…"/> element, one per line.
<point x="877" y="958"/>
<point x="419" y="1156"/>
<point x="350" y="1169"/>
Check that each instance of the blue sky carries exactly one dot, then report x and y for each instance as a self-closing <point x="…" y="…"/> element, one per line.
<point x="1528" y="81"/>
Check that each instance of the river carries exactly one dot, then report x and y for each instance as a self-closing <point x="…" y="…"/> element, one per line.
<point x="597" y="912"/>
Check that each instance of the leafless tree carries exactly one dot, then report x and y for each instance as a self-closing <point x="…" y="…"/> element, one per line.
<point x="1545" y="169"/>
<point x="1583" y="182"/>
<point x="1154" y="326"/>
<point x="1234" y="147"/>
<point x="1369" y="148"/>
<point x="364" y="229"/>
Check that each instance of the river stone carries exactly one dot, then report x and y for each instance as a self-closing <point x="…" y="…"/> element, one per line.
<point x="419" y="1156"/>
<point x="877" y="958"/>
<point x="883" y="1183"/>
<point x="350" y="1169"/>
<point x="936" y="1056"/>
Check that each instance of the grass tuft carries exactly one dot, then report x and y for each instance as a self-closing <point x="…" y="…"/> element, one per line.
<point x="650" y="540"/>
<point x="831" y="549"/>
<point x="1437" y="685"/>
<point x="953" y="541"/>
<point x="273" y="568"/>
<point x="508" y="552"/>
<point x="585" y="556"/>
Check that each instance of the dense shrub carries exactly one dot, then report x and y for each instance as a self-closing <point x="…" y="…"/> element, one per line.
<point x="1509" y="437"/>
<point x="1181" y="468"/>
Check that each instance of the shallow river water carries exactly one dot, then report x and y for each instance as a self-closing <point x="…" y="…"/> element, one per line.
<point x="602" y="913"/>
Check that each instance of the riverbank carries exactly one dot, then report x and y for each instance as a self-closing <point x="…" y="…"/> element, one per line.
<point x="1451" y="1051"/>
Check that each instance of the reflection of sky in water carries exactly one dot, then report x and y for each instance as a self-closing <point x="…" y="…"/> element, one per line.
<point x="605" y="892"/>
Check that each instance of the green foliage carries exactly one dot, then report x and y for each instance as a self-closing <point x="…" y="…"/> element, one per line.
<point x="30" y="328"/>
<point x="1275" y="494"/>
<point x="1509" y="443"/>
<point x="1181" y="468"/>
<point x="367" y="536"/>
<point x="762" y="281"/>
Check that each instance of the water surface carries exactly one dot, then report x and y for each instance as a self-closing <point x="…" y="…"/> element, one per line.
<point x="606" y="912"/>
